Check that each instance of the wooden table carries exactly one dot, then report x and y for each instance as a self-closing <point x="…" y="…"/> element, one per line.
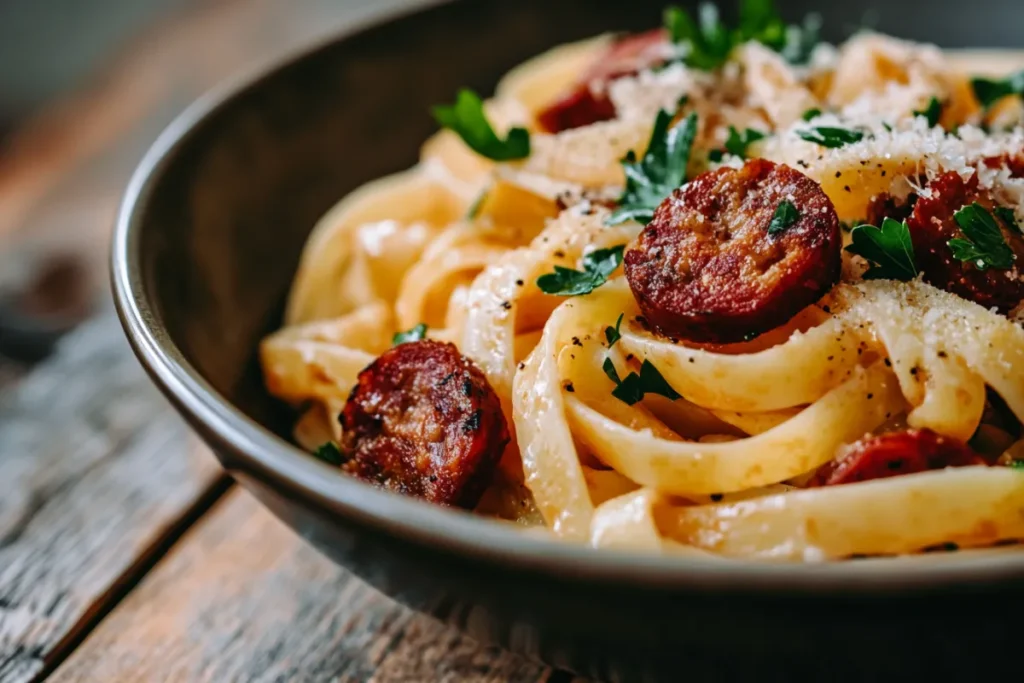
<point x="125" y="553"/>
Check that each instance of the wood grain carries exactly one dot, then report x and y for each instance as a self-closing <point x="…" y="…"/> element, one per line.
<point x="242" y="598"/>
<point x="95" y="474"/>
<point x="63" y="174"/>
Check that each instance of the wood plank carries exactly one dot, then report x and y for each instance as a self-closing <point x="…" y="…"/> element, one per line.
<point x="243" y="598"/>
<point x="96" y="473"/>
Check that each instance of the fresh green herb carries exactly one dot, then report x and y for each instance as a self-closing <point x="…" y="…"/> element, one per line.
<point x="887" y="127"/>
<point x="1017" y="464"/>
<point x="609" y="369"/>
<point x="633" y="387"/>
<point x="330" y="454"/>
<point x="786" y="214"/>
<point x="736" y="143"/>
<point x="760" y="21"/>
<point x="1006" y="215"/>
<point x="985" y="245"/>
<point x="811" y="114"/>
<point x="417" y="333"/>
<point x="932" y="113"/>
<point x="706" y="43"/>
<point x="597" y="266"/>
<point x="467" y="118"/>
<point x="888" y="249"/>
<point x="989" y="91"/>
<point x="478" y="203"/>
<point x="703" y="44"/>
<point x="833" y="138"/>
<point x="662" y="170"/>
<point x="612" y="333"/>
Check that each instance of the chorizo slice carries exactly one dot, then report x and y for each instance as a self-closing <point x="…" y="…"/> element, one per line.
<point x="422" y="420"/>
<point x="932" y="225"/>
<point x="893" y="454"/>
<point x="723" y="260"/>
<point x="587" y="101"/>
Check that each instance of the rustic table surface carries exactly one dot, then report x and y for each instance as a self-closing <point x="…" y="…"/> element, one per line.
<point x="125" y="553"/>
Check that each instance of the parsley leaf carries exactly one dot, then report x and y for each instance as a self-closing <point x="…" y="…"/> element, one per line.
<point x="989" y="91"/>
<point x="705" y="44"/>
<point x="889" y="250"/>
<point x="329" y="453"/>
<point x="786" y="214"/>
<point x="985" y="245"/>
<point x="737" y="143"/>
<point x="833" y="138"/>
<point x="932" y="112"/>
<point x="662" y="170"/>
<point x="702" y="45"/>
<point x="467" y="118"/>
<point x="811" y="113"/>
<point x="598" y="265"/>
<point x="633" y="387"/>
<point x="612" y="333"/>
<point x="417" y="333"/>
<point x="760" y="21"/>
<point x="1017" y="464"/>
<point x="1009" y="217"/>
<point x="609" y="369"/>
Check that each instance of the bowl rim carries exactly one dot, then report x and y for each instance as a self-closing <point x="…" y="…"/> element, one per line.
<point x="285" y="467"/>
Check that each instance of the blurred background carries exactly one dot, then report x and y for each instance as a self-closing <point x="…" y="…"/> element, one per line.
<point x="86" y="85"/>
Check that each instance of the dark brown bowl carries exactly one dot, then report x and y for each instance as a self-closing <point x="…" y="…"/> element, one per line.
<point x="205" y="248"/>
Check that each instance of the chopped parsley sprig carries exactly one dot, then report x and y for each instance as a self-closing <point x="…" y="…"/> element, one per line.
<point x="1006" y="215"/>
<point x="662" y="169"/>
<point x="889" y="250"/>
<point x="736" y="143"/>
<point x="705" y="43"/>
<point x="330" y="454"/>
<point x="612" y="334"/>
<point x="831" y="137"/>
<point x="467" y="118"/>
<point x="932" y="113"/>
<point x="417" y="333"/>
<point x="985" y="245"/>
<point x="988" y="91"/>
<point x="598" y="265"/>
<point x="786" y="214"/>
<point x="631" y="389"/>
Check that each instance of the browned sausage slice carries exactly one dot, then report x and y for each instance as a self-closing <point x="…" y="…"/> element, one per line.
<point x="423" y="420"/>
<point x="890" y="455"/>
<point x="932" y="225"/>
<point x="707" y="269"/>
<point x="587" y="101"/>
<point x="884" y="206"/>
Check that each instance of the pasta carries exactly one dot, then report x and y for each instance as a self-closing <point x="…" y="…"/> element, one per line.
<point x="758" y="301"/>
